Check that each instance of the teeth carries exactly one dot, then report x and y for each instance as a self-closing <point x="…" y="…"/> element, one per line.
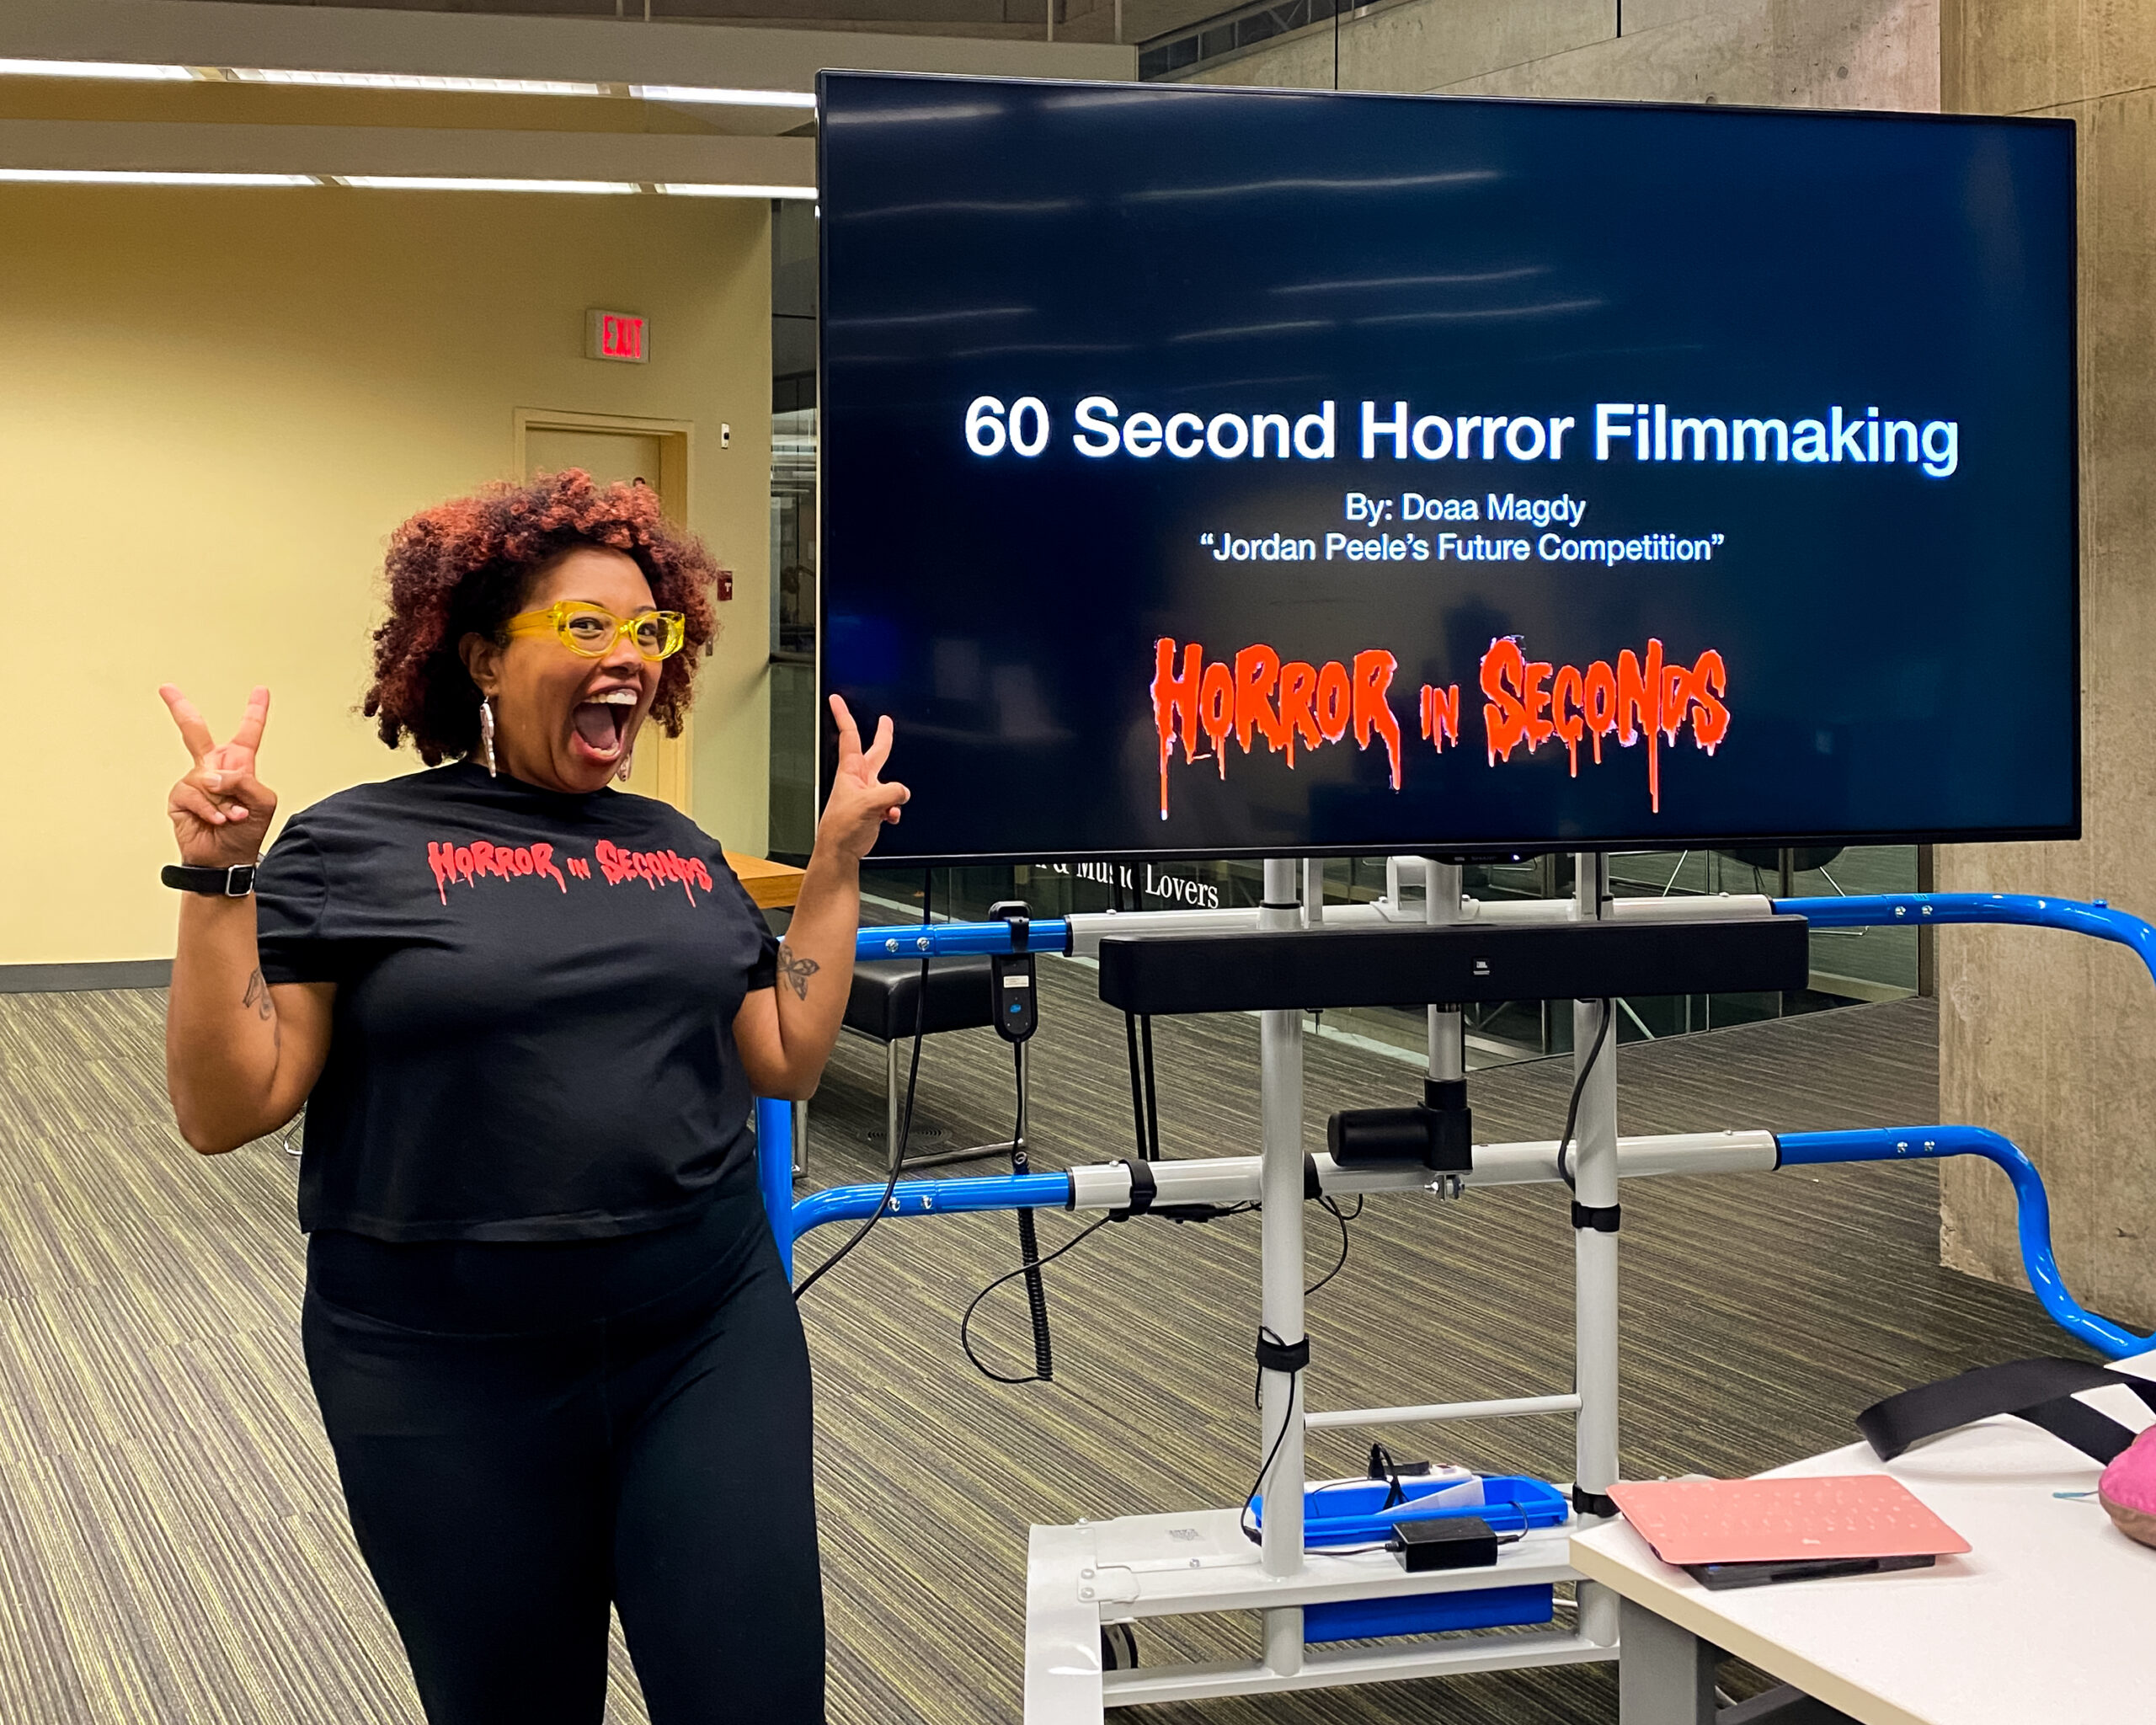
<point x="615" y="698"/>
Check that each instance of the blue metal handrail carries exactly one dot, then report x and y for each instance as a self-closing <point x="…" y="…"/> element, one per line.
<point x="791" y="1219"/>
<point x="2033" y="1210"/>
<point x="1053" y="1191"/>
<point x="951" y="940"/>
<point x="944" y="940"/>
<point x="932" y="1198"/>
<point x="1915" y="909"/>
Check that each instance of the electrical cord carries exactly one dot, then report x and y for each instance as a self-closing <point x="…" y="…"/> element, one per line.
<point x="1342" y="1217"/>
<point x="1152" y="1097"/>
<point x="1579" y="1088"/>
<point x="1029" y="1245"/>
<point x="965" y="1323"/>
<point x="897" y="1148"/>
<point x="1136" y="1084"/>
<point x="1251" y="1529"/>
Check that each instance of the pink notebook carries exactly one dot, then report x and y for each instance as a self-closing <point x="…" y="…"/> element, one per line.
<point x="1775" y="1520"/>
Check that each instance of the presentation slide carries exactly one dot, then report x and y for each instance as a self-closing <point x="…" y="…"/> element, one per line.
<point x="1212" y="472"/>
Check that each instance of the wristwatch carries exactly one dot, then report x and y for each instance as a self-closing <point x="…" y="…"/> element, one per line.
<point x="234" y="883"/>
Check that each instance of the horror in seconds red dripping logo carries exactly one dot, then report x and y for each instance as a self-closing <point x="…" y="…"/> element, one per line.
<point x="1287" y="703"/>
<point x="478" y="860"/>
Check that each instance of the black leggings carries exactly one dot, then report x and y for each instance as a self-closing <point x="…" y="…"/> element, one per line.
<point x="526" y="1433"/>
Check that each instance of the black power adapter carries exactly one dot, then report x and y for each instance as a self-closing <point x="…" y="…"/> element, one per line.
<point x="1445" y="1542"/>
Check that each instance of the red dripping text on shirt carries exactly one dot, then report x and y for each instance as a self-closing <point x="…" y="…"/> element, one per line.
<point x="468" y="863"/>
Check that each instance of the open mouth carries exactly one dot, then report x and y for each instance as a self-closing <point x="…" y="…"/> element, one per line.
<point x="601" y="725"/>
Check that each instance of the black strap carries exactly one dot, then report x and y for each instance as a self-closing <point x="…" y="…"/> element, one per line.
<point x="1144" y="1189"/>
<point x="235" y="882"/>
<point x="1274" y="1356"/>
<point x="1592" y="1503"/>
<point x="1602" y="1218"/>
<point x="2039" y="1390"/>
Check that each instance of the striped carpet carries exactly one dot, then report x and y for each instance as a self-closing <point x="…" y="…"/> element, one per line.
<point x="172" y="1544"/>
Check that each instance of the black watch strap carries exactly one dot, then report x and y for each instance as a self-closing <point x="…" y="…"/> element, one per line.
<point x="233" y="882"/>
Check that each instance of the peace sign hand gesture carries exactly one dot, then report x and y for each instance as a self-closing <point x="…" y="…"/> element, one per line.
<point x="861" y="803"/>
<point x="220" y="812"/>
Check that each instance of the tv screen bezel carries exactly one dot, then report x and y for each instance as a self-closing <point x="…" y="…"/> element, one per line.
<point x="1480" y="850"/>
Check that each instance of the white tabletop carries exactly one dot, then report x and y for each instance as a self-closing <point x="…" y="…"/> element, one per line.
<point x="2050" y="1617"/>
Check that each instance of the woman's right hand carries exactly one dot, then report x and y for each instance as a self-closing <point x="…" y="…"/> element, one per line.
<point x="220" y="812"/>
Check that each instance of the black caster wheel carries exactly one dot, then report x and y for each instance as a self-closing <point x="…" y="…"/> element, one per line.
<point x="1118" y="1647"/>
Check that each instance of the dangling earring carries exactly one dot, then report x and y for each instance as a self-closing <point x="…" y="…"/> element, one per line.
<point x="486" y="734"/>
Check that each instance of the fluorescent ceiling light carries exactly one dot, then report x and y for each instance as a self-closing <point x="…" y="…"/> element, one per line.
<point x="444" y="183"/>
<point x="732" y="99"/>
<point x="133" y="176"/>
<point x="383" y="182"/>
<point x="92" y="68"/>
<point x="709" y="94"/>
<point x="416" y="80"/>
<point x="683" y="190"/>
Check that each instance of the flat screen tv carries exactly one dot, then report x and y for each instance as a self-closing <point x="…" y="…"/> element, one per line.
<point x="1215" y="473"/>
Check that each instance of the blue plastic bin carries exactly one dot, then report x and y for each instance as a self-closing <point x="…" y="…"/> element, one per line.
<point x="1354" y="1515"/>
<point x="1427" y="1613"/>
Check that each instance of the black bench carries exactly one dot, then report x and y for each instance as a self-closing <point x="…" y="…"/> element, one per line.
<point x="886" y="996"/>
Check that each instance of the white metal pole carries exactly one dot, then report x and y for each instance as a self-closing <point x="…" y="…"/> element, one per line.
<point x="1594" y="1260"/>
<point x="1441" y="904"/>
<point x="1280" y="1092"/>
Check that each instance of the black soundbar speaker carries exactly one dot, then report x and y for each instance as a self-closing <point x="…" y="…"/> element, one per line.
<point x="1315" y="968"/>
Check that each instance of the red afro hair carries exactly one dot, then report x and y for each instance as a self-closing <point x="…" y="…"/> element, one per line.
<point x="464" y="567"/>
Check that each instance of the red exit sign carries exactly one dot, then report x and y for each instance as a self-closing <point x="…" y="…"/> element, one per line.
<point x="616" y="335"/>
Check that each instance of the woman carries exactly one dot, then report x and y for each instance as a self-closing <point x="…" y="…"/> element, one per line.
<point x="554" y="1350"/>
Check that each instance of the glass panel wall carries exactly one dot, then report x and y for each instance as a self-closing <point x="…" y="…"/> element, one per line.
<point x="794" y="532"/>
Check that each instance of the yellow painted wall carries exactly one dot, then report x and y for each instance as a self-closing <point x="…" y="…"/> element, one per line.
<point x="215" y="405"/>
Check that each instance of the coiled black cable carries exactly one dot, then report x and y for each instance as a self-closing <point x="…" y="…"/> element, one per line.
<point x="966" y="1321"/>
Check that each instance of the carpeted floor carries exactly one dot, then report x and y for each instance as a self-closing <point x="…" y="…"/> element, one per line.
<point x="172" y="1547"/>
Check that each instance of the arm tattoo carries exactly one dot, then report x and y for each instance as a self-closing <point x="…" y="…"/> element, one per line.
<point x="796" y="970"/>
<point x="257" y="996"/>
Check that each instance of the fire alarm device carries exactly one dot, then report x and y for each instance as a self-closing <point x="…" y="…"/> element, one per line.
<point x="616" y="335"/>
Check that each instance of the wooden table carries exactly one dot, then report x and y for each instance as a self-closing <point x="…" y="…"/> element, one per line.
<point x="2046" y="1620"/>
<point x="774" y="886"/>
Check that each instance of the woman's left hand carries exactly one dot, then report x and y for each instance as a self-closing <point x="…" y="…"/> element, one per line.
<point x="861" y="803"/>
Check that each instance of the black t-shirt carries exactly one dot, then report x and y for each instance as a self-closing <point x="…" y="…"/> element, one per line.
<point x="533" y="1033"/>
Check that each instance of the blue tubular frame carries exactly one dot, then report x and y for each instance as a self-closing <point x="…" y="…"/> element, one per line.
<point x="775" y="1173"/>
<point x="775" y="1119"/>
<point x="932" y="1198"/>
<point x="1053" y="1191"/>
<point x="1914" y="909"/>
<point x="2032" y="1208"/>
<point x="951" y="940"/>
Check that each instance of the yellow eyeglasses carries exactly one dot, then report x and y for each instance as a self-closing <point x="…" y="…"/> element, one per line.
<point x="590" y="631"/>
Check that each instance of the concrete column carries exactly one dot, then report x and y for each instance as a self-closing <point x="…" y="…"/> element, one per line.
<point x="2043" y="1037"/>
<point x="1809" y="53"/>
